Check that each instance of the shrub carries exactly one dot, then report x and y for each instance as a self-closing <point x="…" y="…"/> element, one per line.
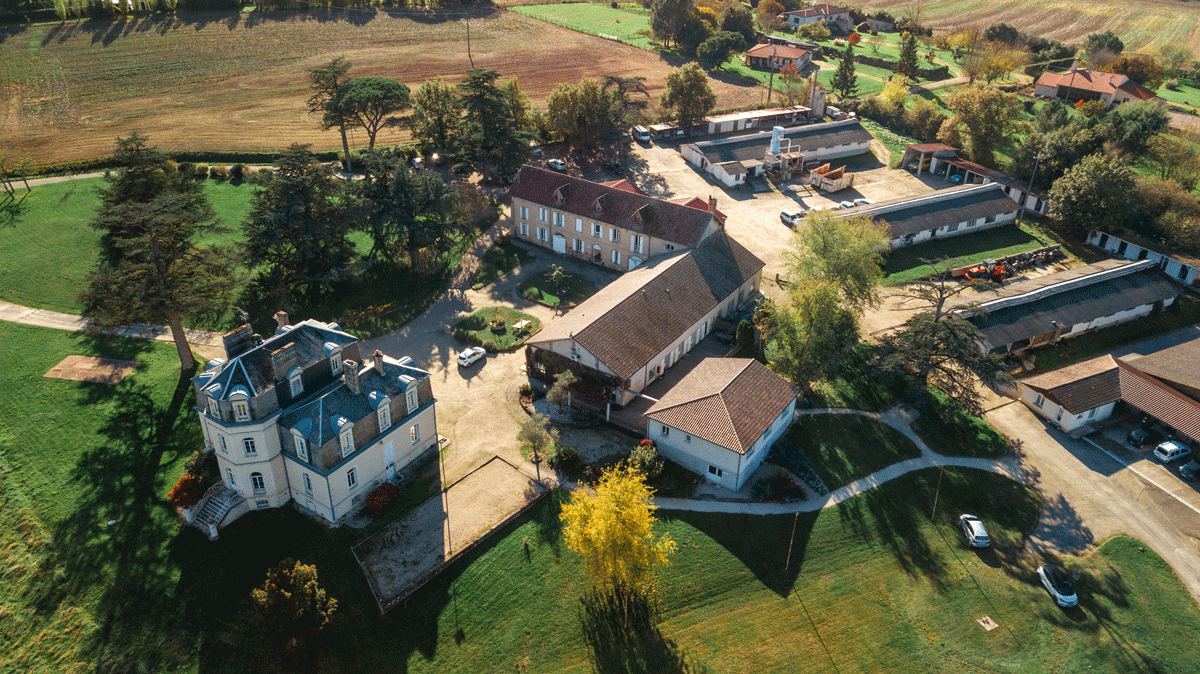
<point x="1172" y="84"/>
<point x="647" y="442"/>
<point x="186" y="167"/>
<point x="188" y="491"/>
<point x="645" y="460"/>
<point x="202" y="463"/>
<point x="200" y="171"/>
<point x="237" y="173"/>
<point x="381" y="497"/>
<point x="567" y="460"/>
<point x="172" y="166"/>
<point x="218" y="173"/>
<point x="525" y="390"/>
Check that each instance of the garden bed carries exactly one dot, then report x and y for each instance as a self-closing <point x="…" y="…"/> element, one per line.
<point x="566" y="293"/>
<point x="477" y="329"/>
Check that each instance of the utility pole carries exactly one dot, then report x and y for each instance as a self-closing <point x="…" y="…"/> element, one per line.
<point x="469" y="58"/>
<point x="1029" y="192"/>
<point x="771" y="86"/>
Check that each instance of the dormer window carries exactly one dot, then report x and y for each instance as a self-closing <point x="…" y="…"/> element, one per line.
<point x="241" y="410"/>
<point x="385" y="415"/>
<point x="346" y="440"/>
<point x="301" y="446"/>
<point x="410" y="398"/>
<point x="296" y="382"/>
<point x="334" y="353"/>
<point x="214" y="408"/>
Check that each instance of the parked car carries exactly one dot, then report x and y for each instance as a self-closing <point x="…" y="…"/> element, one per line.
<point x="418" y="163"/>
<point x="847" y="204"/>
<point x="1171" y="450"/>
<point x="535" y="149"/>
<point x="1140" y="437"/>
<point x="1057" y="584"/>
<point x="863" y="201"/>
<point x="613" y="168"/>
<point x="641" y="134"/>
<point x="557" y="164"/>
<point x="791" y="218"/>
<point x="956" y="178"/>
<point x="973" y="529"/>
<point x="1190" y="470"/>
<point x="471" y="356"/>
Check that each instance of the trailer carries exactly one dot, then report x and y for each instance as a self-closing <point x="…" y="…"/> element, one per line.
<point x="830" y="179"/>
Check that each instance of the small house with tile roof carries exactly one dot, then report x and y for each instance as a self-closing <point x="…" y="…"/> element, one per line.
<point x="613" y="225"/>
<point x="626" y="335"/>
<point x="721" y="419"/>
<point x="831" y="16"/>
<point x="1083" y="84"/>
<point x="1075" y="395"/>
<point x="301" y="418"/>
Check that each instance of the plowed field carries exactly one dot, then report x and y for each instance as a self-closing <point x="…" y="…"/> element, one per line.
<point x="238" y="81"/>
<point x="1141" y="24"/>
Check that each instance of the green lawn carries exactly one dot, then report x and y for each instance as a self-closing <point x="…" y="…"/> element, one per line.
<point x="572" y="291"/>
<point x="476" y="328"/>
<point x="852" y="385"/>
<point x="1185" y="94"/>
<point x="1184" y="312"/>
<point x="625" y="24"/>
<point x="844" y="447"/>
<point x="905" y="264"/>
<point x="47" y="252"/>
<point x="498" y="262"/>
<point x="870" y="585"/>
<point x="949" y="430"/>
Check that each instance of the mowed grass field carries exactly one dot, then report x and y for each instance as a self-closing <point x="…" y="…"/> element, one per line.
<point x="1141" y="24"/>
<point x="238" y="81"/>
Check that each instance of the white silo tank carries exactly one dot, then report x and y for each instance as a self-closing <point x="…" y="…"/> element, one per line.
<point x="776" y="139"/>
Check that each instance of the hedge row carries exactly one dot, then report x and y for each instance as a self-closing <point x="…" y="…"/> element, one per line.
<point x="104" y="163"/>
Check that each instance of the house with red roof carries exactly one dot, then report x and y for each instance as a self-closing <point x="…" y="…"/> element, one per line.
<point x="1083" y="84"/>
<point x="777" y="56"/>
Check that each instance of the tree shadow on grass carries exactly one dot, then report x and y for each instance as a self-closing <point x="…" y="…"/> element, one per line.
<point x="115" y="542"/>
<point x="623" y="637"/>
<point x="764" y="544"/>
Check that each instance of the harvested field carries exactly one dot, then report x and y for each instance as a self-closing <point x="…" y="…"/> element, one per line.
<point x="238" y="81"/>
<point x="402" y="557"/>
<point x="1141" y="24"/>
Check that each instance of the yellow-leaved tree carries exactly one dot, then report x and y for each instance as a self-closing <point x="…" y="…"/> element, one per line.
<point x="611" y="528"/>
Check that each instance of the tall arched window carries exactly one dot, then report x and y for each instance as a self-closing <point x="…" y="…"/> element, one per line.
<point x="257" y="483"/>
<point x="229" y="475"/>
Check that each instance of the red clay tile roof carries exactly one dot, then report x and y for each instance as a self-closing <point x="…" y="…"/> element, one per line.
<point x="730" y="402"/>
<point x="1160" y="401"/>
<point x="1082" y="386"/>
<point x="625" y="185"/>
<point x="778" y="50"/>
<point x="636" y="212"/>
<point x="643" y="311"/>
<point x="697" y="202"/>
<point x="932" y="147"/>
<point x="1178" y="366"/>
<point x="1137" y="91"/>
<point x="1084" y="80"/>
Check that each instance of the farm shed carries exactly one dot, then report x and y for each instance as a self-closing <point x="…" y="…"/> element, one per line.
<point x="732" y="160"/>
<point x="951" y="212"/>
<point x="1182" y="268"/>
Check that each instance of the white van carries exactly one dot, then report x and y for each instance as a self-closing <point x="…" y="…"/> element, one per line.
<point x="1170" y="451"/>
<point x="640" y="133"/>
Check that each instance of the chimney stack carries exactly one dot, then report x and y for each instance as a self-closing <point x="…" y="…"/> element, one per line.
<point x="281" y="318"/>
<point x="712" y="204"/>
<point x="351" y="369"/>
<point x="378" y="357"/>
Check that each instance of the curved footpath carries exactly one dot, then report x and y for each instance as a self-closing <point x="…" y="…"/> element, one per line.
<point x="898" y="418"/>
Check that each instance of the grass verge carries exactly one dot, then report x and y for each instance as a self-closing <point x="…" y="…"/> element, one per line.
<point x="950" y="430"/>
<point x="498" y="262"/>
<point x="905" y="265"/>
<point x="841" y="448"/>
<point x="476" y="329"/>
<point x="572" y="291"/>
<point x="1184" y="312"/>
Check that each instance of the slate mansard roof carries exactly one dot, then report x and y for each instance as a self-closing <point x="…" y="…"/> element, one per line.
<point x="612" y="203"/>
<point x="254" y="371"/>
<point x="729" y="402"/>
<point x="642" y="312"/>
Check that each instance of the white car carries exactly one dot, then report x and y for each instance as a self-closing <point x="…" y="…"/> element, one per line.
<point x="973" y="529"/>
<point x="1171" y="450"/>
<point x="847" y="204"/>
<point x="557" y="164"/>
<point x="863" y="202"/>
<point x="1056" y="583"/>
<point x="791" y="218"/>
<point x="471" y="356"/>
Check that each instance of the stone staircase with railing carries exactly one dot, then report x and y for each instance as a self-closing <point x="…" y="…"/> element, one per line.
<point x="213" y="508"/>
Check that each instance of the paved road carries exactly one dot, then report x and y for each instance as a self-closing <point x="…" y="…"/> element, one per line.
<point x="1089" y="496"/>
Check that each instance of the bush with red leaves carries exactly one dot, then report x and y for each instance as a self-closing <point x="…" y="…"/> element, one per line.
<point x="383" y="495"/>
<point x="188" y="491"/>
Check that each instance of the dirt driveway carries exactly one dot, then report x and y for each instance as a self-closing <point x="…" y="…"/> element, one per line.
<point x="476" y="406"/>
<point x="1089" y="496"/>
